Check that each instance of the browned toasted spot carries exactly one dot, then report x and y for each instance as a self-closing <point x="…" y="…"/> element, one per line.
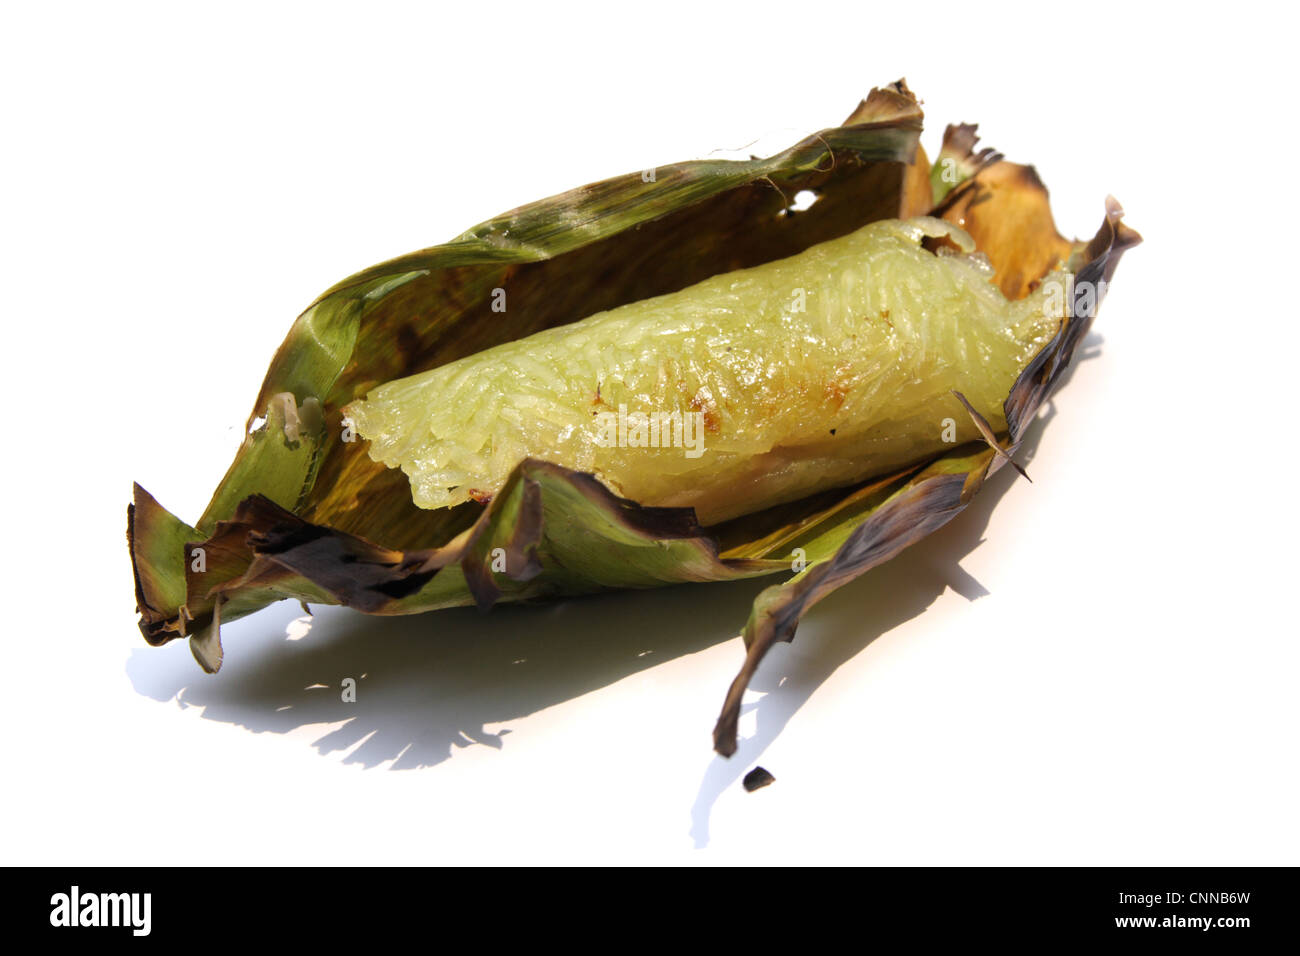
<point x="482" y="497"/>
<point x="704" y="403"/>
<point x="836" y="390"/>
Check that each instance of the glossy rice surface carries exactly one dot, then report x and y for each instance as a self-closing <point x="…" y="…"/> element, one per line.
<point x="803" y="374"/>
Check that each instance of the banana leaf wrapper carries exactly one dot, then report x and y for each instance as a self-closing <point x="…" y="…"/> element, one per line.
<point x="304" y="514"/>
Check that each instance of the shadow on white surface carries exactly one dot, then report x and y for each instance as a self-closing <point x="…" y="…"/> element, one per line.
<point x="430" y="684"/>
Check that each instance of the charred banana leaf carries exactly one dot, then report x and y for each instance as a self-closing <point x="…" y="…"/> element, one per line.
<point x="306" y="513"/>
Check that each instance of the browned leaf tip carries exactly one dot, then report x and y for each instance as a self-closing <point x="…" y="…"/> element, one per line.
<point x="986" y="432"/>
<point x="959" y="142"/>
<point x="1006" y="209"/>
<point x="155" y="539"/>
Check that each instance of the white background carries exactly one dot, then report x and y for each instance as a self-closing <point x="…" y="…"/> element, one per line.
<point x="1101" y="670"/>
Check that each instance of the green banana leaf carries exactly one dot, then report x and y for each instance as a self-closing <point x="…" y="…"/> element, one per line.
<point x="304" y="514"/>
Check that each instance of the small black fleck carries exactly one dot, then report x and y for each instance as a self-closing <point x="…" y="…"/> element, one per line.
<point x="832" y="431"/>
<point x="757" y="779"/>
